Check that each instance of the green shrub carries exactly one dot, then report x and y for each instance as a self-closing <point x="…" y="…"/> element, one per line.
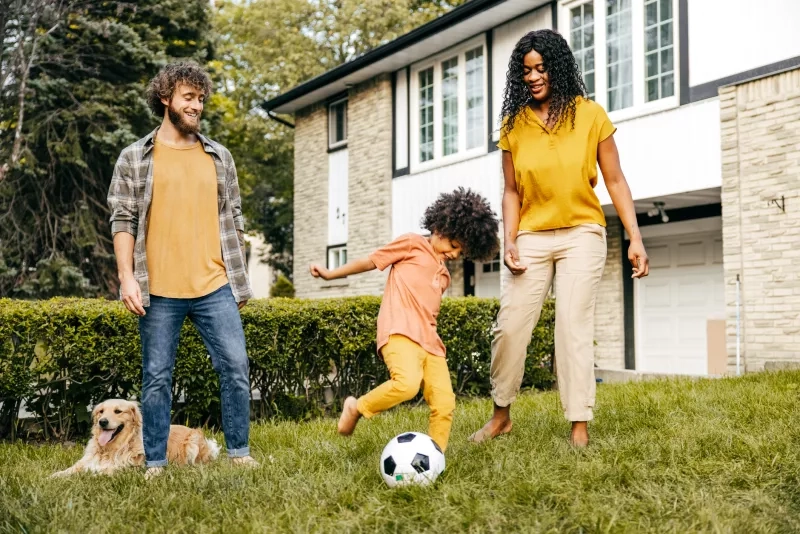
<point x="61" y="356"/>
<point x="282" y="287"/>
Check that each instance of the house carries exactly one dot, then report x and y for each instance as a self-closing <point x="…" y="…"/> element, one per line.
<point x="706" y="98"/>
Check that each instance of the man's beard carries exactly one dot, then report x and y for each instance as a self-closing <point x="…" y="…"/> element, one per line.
<point x="181" y="125"/>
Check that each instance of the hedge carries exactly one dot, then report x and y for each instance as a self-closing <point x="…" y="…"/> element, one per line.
<point x="61" y="356"/>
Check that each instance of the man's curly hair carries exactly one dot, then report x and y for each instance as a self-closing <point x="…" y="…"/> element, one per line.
<point x="466" y="217"/>
<point x="164" y="83"/>
<point x="566" y="82"/>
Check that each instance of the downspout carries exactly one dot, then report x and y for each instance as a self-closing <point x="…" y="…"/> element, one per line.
<point x="738" y="336"/>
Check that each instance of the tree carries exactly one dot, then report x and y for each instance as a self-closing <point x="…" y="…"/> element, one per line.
<point x="265" y="48"/>
<point x="72" y="97"/>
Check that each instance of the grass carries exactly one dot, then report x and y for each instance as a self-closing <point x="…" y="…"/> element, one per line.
<point x="670" y="456"/>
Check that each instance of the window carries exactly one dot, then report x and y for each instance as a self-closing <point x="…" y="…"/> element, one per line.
<point x="659" y="49"/>
<point x="448" y="103"/>
<point x="492" y="266"/>
<point x="450" y="106"/>
<point x="619" y="54"/>
<point x="426" y="114"/>
<point x="337" y="256"/>
<point x="475" y="128"/>
<point x="627" y="52"/>
<point x="337" y="124"/>
<point x="582" y="42"/>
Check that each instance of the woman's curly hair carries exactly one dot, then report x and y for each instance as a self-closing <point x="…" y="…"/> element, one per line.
<point x="566" y="82"/>
<point x="466" y="217"/>
<point x="164" y="83"/>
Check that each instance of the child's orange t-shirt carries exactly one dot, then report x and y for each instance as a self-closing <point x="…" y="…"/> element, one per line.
<point x="413" y="292"/>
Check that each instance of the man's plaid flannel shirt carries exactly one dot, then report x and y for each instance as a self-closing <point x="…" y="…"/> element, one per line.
<point x="129" y="199"/>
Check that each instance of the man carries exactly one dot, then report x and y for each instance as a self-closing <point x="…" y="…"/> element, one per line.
<point x="177" y="223"/>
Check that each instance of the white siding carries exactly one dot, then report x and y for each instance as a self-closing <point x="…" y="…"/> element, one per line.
<point x="337" y="197"/>
<point x="671" y="152"/>
<point x="401" y="120"/>
<point x="731" y="36"/>
<point x="503" y="40"/>
<point x="412" y="194"/>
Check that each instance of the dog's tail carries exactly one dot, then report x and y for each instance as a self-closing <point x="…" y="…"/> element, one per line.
<point x="213" y="447"/>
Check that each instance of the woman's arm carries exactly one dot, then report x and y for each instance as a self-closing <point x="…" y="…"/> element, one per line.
<point x="510" y="216"/>
<point x="620" y="193"/>
<point x="361" y="265"/>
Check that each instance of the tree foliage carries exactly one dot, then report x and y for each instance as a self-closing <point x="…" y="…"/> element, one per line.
<point x="72" y="80"/>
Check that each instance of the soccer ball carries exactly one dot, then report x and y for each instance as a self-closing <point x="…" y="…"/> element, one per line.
<point x="411" y="458"/>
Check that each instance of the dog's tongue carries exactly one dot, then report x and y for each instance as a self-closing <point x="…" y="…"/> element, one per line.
<point x="105" y="437"/>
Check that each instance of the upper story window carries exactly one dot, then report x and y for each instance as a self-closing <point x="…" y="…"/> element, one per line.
<point x="581" y="40"/>
<point x="337" y="124"/>
<point x="659" y="49"/>
<point x="448" y="106"/>
<point x="627" y="52"/>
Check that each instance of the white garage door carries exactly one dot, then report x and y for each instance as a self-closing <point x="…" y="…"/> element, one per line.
<point x="685" y="288"/>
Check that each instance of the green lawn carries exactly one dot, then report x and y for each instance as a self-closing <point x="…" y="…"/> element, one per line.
<point x="670" y="456"/>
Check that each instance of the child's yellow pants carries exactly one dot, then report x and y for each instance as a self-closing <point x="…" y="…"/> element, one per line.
<point x="411" y="366"/>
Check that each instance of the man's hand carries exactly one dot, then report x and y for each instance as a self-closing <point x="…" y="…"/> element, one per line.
<point x="318" y="271"/>
<point x="131" y="295"/>
<point x="242" y="304"/>
<point x="511" y="258"/>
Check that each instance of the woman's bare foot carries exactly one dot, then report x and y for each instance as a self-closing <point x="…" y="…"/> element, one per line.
<point x="349" y="417"/>
<point x="579" y="437"/>
<point x="499" y="424"/>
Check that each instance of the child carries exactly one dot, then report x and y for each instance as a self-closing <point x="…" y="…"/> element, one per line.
<point x="459" y="222"/>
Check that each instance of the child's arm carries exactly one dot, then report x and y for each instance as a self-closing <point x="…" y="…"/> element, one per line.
<point x="353" y="267"/>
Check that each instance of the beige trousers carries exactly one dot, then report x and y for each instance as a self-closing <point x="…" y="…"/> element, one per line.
<point x="575" y="257"/>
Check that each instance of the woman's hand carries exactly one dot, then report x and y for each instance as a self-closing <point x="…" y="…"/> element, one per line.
<point x="638" y="258"/>
<point x="511" y="258"/>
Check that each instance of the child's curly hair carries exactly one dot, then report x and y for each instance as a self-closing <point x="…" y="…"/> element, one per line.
<point x="164" y="83"/>
<point x="466" y="217"/>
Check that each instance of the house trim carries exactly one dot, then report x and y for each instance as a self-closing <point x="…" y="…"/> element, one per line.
<point x="683" y="50"/>
<point x="710" y="89"/>
<point x="446" y="21"/>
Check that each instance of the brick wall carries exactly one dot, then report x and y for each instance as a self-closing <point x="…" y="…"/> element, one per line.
<point x="760" y="134"/>
<point x="609" y="324"/>
<point x="310" y="196"/>
<point x="369" y="148"/>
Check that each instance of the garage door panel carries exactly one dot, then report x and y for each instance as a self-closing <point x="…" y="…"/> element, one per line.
<point x="691" y="254"/>
<point x="692" y="291"/>
<point x="660" y="329"/>
<point x="716" y="252"/>
<point x="659" y="256"/>
<point x="657" y="294"/>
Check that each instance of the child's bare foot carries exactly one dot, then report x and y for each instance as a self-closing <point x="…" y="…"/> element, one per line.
<point x="349" y="417"/>
<point x="579" y="437"/>
<point x="495" y="427"/>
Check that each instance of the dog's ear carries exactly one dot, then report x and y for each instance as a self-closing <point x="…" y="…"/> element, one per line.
<point x="136" y="414"/>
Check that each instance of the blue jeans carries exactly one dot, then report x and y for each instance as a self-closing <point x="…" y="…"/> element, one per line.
<point x="216" y="317"/>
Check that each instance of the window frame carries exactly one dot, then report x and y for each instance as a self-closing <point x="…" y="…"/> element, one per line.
<point x="640" y="105"/>
<point x="335" y="249"/>
<point x="439" y="159"/>
<point x="335" y="145"/>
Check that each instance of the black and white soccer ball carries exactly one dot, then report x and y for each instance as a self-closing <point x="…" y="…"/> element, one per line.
<point x="412" y="458"/>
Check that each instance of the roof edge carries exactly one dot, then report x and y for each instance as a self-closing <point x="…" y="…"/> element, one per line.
<point x="457" y="15"/>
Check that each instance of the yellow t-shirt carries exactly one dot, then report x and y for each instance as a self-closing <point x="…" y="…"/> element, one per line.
<point x="556" y="171"/>
<point x="184" y="251"/>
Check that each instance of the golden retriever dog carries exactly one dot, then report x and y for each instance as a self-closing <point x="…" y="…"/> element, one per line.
<point x="116" y="441"/>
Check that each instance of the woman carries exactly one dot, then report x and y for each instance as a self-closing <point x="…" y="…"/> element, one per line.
<point x="552" y="139"/>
